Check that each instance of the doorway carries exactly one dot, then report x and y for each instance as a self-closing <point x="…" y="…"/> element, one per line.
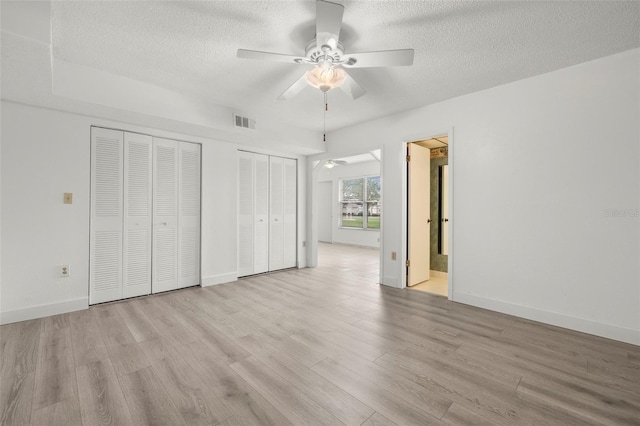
<point x="348" y="207"/>
<point x="427" y="215"/>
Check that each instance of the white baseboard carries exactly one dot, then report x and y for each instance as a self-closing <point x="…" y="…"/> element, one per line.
<point x="219" y="279"/>
<point x="438" y="274"/>
<point x="609" y="331"/>
<point x="40" y="311"/>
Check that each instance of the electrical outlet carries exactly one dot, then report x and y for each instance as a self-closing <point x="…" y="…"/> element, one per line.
<point x="68" y="198"/>
<point x="65" y="271"/>
<point x="394" y="255"/>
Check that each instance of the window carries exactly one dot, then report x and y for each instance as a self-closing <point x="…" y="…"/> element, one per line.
<point x="360" y="202"/>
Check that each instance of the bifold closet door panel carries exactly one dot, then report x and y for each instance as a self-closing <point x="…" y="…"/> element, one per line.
<point x="253" y="213"/>
<point x="276" y="213"/>
<point x="165" y="215"/>
<point x="189" y="215"/>
<point x="105" y="260"/>
<point x="261" y="214"/>
<point x="246" y="173"/>
<point x="137" y="215"/>
<point x="290" y="213"/>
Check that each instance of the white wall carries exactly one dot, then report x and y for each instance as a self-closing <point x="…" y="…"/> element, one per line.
<point x="360" y="237"/>
<point x="46" y="153"/>
<point x="537" y="166"/>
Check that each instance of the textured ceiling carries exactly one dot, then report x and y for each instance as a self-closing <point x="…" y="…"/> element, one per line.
<point x="460" y="47"/>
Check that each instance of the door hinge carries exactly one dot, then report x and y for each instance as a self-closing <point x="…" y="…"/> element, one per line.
<point x="408" y="263"/>
<point x="408" y="158"/>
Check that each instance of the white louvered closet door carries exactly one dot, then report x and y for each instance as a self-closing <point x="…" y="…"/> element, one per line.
<point x="189" y="215"/>
<point x="246" y="173"/>
<point x="137" y="215"/>
<point x="261" y="215"/>
<point x="105" y="260"/>
<point x="290" y="213"/>
<point x="276" y="213"/>
<point x="165" y="215"/>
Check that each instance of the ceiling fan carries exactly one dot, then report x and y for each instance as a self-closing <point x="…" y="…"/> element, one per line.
<point x="330" y="164"/>
<point x="328" y="57"/>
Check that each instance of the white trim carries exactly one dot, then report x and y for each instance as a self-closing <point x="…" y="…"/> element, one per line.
<point x="609" y="331"/>
<point x="450" y="212"/>
<point x="41" y="311"/>
<point x="219" y="279"/>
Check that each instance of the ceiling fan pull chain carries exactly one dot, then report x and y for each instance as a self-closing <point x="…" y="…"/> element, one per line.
<point x="324" y="118"/>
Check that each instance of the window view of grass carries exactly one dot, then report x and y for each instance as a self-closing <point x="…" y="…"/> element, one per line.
<point x="360" y="199"/>
<point x="373" y="222"/>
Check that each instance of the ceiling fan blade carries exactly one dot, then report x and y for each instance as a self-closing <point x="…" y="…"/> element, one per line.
<point x="294" y="89"/>
<point x="352" y="88"/>
<point x="328" y="23"/>
<point x="267" y="56"/>
<point x="340" y="162"/>
<point x="384" y="58"/>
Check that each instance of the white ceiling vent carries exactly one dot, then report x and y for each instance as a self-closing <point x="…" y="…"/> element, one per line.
<point x="244" y="122"/>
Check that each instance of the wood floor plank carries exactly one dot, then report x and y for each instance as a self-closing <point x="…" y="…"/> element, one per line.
<point x="148" y="402"/>
<point x="55" y="378"/>
<point x="493" y="400"/>
<point x="295" y="405"/>
<point x="242" y="401"/>
<point x="62" y="413"/>
<point x="16" y="395"/>
<point x="102" y="402"/>
<point x="598" y="407"/>
<point x="193" y="399"/>
<point x="166" y="321"/>
<point x="88" y="345"/>
<point x="207" y="331"/>
<point x="111" y="326"/>
<point x="459" y="415"/>
<point x="137" y="322"/>
<point x="127" y="359"/>
<point x="389" y="404"/>
<point x="56" y="321"/>
<point x="333" y="399"/>
<point x="281" y="342"/>
<point x="378" y="419"/>
<point x="19" y="347"/>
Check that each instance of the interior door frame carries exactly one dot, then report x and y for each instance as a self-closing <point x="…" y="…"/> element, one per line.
<point x="451" y="145"/>
<point x="314" y="166"/>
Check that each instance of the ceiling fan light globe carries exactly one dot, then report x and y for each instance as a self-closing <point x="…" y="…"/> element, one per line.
<point x="326" y="77"/>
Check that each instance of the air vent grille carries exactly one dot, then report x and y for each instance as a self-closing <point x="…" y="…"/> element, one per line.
<point x="244" y="122"/>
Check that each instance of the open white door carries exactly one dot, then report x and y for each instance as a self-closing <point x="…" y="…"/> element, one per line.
<point x="418" y="212"/>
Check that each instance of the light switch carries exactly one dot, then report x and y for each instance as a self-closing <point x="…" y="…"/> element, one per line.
<point x="68" y="198"/>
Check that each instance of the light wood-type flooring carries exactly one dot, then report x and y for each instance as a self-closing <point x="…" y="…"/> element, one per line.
<point x="322" y="346"/>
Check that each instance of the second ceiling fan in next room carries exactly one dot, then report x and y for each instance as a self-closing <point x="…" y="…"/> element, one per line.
<point x="327" y="56"/>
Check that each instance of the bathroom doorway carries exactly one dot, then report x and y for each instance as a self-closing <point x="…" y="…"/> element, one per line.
<point x="428" y="215"/>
